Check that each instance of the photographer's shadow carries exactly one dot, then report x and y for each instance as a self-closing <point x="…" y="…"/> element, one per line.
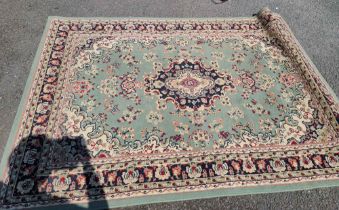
<point x="53" y="173"/>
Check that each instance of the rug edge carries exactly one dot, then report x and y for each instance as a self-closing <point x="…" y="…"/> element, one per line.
<point x="186" y="196"/>
<point x="135" y="18"/>
<point x="23" y="101"/>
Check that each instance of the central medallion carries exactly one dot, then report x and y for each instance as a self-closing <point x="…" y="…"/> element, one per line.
<point x="189" y="82"/>
<point x="189" y="85"/>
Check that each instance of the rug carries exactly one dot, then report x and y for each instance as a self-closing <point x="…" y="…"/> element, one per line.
<point x="120" y="112"/>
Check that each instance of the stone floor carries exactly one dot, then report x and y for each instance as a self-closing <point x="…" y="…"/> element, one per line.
<point x="314" y="22"/>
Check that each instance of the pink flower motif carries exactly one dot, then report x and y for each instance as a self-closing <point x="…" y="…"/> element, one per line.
<point x="247" y="80"/>
<point x="293" y="162"/>
<point x="38" y="130"/>
<point x="148" y="173"/>
<point x="81" y="87"/>
<point x="130" y="27"/>
<point x="128" y="85"/>
<point x="47" y="97"/>
<point x="318" y="160"/>
<point x="288" y="79"/>
<point x="118" y="28"/>
<point x="81" y="180"/>
<point x="261" y="165"/>
<point x="332" y="160"/>
<point x="235" y="165"/>
<point x="162" y="173"/>
<point x="249" y="166"/>
<point x="55" y="62"/>
<point x="194" y="171"/>
<point x="160" y="28"/>
<point x="306" y="162"/>
<point x="278" y="165"/>
<point x="61" y="183"/>
<point x="74" y="27"/>
<point x="141" y="28"/>
<point x="200" y="136"/>
<point x="220" y="168"/>
<point x="48" y="88"/>
<point x="176" y="170"/>
<point x="111" y="177"/>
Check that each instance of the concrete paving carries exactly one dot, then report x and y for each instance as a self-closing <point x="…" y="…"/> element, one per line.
<point x="314" y="22"/>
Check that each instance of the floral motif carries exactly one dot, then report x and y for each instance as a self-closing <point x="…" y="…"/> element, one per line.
<point x="249" y="167"/>
<point x="25" y="186"/>
<point x="129" y="59"/>
<point x="110" y="86"/>
<point x="288" y="79"/>
<point x="216" y="125"/>
<point x="278" y="165"/>
<point x="81" y="87"/>
<point x="154" y="118"/>
<point x="61" y="183"/>
<point x="194" y="171"/>
<point x="162" y="173"/>
<point x="332" y="160"/>
<point x="236" y="113"/>
<point x="200" y="136"/>
<point x="129" y="115"/>
<point x="180" y="127"/>
<point x="128" y="85"/>
<point x="224" y="100"/>
<point x="306" y="162"/>
<point x="130" y="176"/>
<point x="43" y="108"/>
<point x="176" y="171"/>
<point x="126" y="133"/>
<point x="81" y="181"/>
<point x="197" y="118"/>
<point x="220" y="168"/>
<point x="150" y="57"/>
<point x="148" y="173"/>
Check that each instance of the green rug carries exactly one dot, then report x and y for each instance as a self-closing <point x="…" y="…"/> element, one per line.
<point x="129" y="111"/>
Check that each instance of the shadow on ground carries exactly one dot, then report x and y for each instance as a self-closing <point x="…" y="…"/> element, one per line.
<point x="41" y="173"/>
